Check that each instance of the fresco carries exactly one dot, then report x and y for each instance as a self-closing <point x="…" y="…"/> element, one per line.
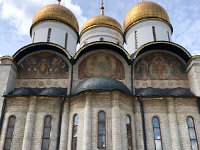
<point x="160" y="66"/>
<point x="101" y="64"/>
<point x="43" y="65"/>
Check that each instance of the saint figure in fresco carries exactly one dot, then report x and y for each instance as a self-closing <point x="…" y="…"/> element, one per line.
<point x="177" y="71"/>
<point x="142" y="70"/>
<point x="159" y="69"/>
<point x="43" y="67"/>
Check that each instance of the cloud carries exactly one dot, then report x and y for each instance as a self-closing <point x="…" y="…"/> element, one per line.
<point x="19" y="13"/>
<point x="16" y="18"/>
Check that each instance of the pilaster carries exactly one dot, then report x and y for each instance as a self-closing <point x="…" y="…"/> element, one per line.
<point x="87" y="130"/>
<point x="29" y="127"/>
<point x="116" y="128"/>
<point x="64" y="127"/>
<point x="173" y="125"/>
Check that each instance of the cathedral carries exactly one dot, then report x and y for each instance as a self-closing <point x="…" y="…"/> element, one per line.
<point x="125" y="88"/>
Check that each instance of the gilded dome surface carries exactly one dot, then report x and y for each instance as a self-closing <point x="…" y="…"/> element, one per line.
<point x="102" y="20"/>
<point x="57" y="13"/>
<point x="145" y="10"/>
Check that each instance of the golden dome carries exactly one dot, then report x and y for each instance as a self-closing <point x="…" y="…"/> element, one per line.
<point x="145" y="10"/>
<point x="57" y="13"/>
<point x="102" y="20"/>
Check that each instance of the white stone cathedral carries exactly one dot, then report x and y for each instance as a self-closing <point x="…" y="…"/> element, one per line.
<point x="101" y="96"/>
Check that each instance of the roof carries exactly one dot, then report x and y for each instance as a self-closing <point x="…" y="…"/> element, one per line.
<point x="163" y="92"/>
<point x="24" y="91"/>
<point x="164" y="45"/>
<point x="101" y="21"/>
<point x="58" y="13"/>
<point x="101" y="83"/>
<point x="35" y="47"/>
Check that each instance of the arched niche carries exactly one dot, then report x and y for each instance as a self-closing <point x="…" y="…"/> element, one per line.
<point x="158" y="65"/>
<point x="101" y="64"/>
<point x="43" y="65"/>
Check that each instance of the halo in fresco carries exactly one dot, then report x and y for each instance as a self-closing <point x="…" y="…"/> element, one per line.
<point x="43" y="65"/>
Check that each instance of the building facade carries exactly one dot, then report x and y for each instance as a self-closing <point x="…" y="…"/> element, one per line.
<point x="101" y="96"/>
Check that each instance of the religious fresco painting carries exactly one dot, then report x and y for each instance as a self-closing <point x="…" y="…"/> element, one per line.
<point x="101" y="64"/>
<point x="160" y="66"/>
<point x="43" y="65"/>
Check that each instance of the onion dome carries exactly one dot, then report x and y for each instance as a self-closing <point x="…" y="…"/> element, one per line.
<point x="58" y="13"/>
<point x="145" y="10"/>
<point x="101" y="21"/>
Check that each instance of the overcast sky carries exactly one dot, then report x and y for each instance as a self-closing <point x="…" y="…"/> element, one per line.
<point x="16" y="17"/>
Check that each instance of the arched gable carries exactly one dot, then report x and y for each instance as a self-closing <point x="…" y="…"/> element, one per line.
<point x="103" y="45"/>
<point x="163" y="45"/>
<point x="38" y="47"/>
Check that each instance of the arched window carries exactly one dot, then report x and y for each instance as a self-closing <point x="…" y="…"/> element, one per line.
<point x="192" y="133"/>
<point x="101" y="39"/>
<point x="157" y="133"/>
<point x="136" y="42"/>
<point x="46" y="133"/>
<point x="66" y="38"/>
<point x="9" y="133"/>
<point x="101" y="129"/>
<point x="74" y="132"/>
<point x="49" y="35"/>
<point x="154" y="33"/>
<point x="129" y="132"/>
<point x="33" y="37"/>
<point x="168" y="36"/>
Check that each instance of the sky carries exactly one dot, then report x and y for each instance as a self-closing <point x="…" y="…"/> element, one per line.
<point x="16" y="17"/>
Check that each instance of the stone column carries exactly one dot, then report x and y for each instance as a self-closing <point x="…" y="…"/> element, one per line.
<point x="87" y="130"/>
<point x="30" y="122"/>
<point x="64" y="126"/>
<point x="138" y="126"/>
<point x="173" y="125"/>
<point x="116" y="132"/>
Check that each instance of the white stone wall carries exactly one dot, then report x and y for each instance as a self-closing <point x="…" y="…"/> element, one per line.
<point x="193" y="72"/>
<point x="8" y="74"/>
<point x="58" y="31"/>
<point x="172" y="113"/>
<point x="108" y="34"/>
<point x="145" y="34"/>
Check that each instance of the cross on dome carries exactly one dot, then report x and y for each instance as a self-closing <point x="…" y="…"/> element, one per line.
<point x="59" y="1"/>
<point x="102" y="7"/>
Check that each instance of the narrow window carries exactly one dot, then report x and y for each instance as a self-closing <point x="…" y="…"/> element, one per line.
<point x="9" y="133"/>
<point x="101" y="39"/>
<point x="192" y="133"/>
<point x="46" y="133"/>
<point x="101" y="129"/>
<point x="168" y="36"/>
<point x="157" y="133"/>
<point x="33" y="37"/>
<point x="136" y="42"/>
<point x="74" y="132"/>
<point x="49" y="35"/>
<point x="154" y="33"/>
<point x="129" y="132"/>
<point x="66" y="38"/>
